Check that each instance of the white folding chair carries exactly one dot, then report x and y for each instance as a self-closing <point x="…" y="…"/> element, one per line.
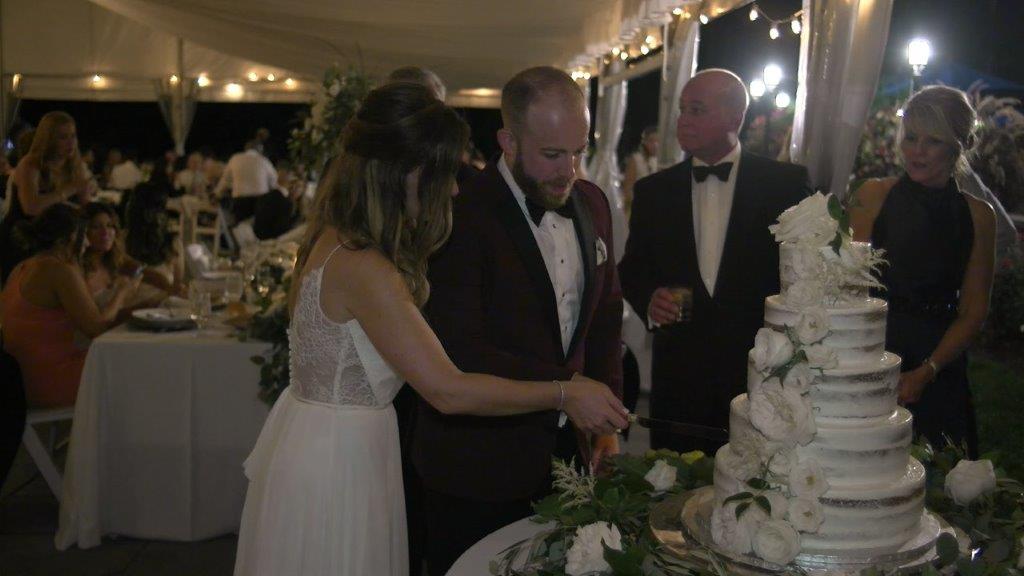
<point x="208" y="223"/>
<point x="42" y="454"/>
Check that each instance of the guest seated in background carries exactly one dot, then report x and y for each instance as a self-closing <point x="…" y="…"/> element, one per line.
<point x="148" y="241"/>
<point x="105" y="260"/>
<point x="47" y="299"/>
<point x="126" y="175"/>
<point x="641" y="163"/>
<point x="192" y="180"/>
<point x="278" y="211"/>
<point x="50" y="173"/>
<point x="940" y="246"/>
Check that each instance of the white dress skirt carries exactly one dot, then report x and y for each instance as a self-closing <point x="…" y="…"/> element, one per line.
<point x="325" y="478"/>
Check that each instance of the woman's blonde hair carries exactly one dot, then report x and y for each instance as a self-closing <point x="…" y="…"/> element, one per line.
<point x="399" y="127"/>
<point x="44" y="149"/>
<point x="943" y="113"/>
<point x="114" y="258"/>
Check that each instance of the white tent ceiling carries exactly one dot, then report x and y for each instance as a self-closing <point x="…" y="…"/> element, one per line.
<point x="474" y="45"/>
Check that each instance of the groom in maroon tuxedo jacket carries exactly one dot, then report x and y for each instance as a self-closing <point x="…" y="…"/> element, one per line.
<point x="526" y="289"/>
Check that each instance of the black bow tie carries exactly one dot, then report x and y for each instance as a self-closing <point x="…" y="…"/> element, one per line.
<point x="537" y="211"/>
<point x="701" y="173"/>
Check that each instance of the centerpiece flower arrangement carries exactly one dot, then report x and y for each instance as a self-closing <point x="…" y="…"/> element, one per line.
<point x="317" y="139"/>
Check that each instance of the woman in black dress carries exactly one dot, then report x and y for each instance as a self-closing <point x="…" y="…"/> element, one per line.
<point x="940" y="248"/>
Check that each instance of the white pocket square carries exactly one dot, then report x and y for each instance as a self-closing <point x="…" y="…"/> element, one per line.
<point x="602" y="251"/>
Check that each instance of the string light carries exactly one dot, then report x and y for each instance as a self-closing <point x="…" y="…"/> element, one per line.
<point x="704" y="19"/>
<point x="15" y="81"/>
<point x="687" y="15"/>
<point x="624" y="55"/>
<point x="271" y="77"/>
<point x="650" y="40"/>
<point x="753" y="14"/>
<point x="616" y="50"/>
<point x="233" y="90"/>
<point x="774" y="32"/>
<point x="173" y="79"/>
<point x="253" y="76"/>
<point x="677" y="12"/>
<point x="203" y="80"/>
<point x="796" y="27"/>
<point x="645" y="49"/>
<point x="290" y="83"/>
<point x="757" y="88"/>
<point x="782" y="100"/>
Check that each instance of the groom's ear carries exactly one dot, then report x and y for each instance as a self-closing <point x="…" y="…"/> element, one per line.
<point x="508" y="143"/>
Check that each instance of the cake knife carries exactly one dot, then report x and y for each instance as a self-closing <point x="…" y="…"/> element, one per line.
<point x="681" y="428"/>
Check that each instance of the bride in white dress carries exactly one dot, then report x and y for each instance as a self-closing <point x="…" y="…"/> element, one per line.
<point x="325" y="493"/>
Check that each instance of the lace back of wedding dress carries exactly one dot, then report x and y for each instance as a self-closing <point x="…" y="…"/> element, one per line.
<point x="324" y="359"/>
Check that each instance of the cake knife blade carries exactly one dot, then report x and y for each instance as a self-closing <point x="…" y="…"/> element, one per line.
<point x="682" y="428"/>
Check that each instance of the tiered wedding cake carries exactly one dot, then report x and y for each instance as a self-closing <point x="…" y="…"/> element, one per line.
<point x="818" y="461"/>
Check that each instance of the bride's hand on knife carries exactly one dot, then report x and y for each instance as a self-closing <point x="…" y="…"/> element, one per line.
<point x="593" y="407"/>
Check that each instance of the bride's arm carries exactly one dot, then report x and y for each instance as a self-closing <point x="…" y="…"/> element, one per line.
<point x="373" y="291"/>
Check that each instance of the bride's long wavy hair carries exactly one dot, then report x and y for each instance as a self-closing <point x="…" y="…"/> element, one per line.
<point x="399" y="127"/>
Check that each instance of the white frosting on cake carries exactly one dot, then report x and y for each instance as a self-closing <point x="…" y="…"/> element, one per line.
<point x="857" y="332"/>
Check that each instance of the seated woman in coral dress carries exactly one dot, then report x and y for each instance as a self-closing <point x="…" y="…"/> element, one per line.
<point x="46" y="299"/>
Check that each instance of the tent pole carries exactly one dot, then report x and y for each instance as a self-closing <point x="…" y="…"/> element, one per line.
<point x="178" y="113"/>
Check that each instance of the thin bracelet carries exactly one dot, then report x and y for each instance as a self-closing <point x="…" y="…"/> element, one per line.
<point x="561" y="394"/>
<point x="931" y="364"/>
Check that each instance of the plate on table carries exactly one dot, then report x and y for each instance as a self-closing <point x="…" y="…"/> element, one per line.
<point x="163" y="319"/>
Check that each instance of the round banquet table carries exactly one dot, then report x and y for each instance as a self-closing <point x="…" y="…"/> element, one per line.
<point x="476" y="561"/>
<point x="163" y="422"/>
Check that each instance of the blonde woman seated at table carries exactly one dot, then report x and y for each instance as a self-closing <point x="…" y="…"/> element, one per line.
<point x="46" y="299"/>
<point x="105" y="260"/>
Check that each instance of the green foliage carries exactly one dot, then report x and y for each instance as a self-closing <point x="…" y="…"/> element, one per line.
<point x="319" y="137"/>
<point x="1006" y="310"/>
<point x="270" y="325"/>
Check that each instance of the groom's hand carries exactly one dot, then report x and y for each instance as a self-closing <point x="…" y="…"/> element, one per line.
<point x="600" y="447"/>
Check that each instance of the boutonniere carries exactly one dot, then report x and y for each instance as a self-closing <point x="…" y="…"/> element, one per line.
<point x="601" y="250"/>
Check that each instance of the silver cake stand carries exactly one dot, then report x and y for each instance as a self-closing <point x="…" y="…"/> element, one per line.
<point x="683" y="525"/>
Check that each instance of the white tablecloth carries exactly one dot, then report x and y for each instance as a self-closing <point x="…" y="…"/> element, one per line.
<point x="476" y="561"/>
<point x="162" y="425"/>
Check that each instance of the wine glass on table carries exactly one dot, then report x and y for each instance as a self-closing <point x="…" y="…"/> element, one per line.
<point x="200" y="306"/>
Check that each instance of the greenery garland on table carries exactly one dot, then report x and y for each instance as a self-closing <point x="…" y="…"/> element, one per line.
<point x="601" y="523"/>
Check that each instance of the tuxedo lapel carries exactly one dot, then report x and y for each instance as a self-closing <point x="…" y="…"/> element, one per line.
<point x="511" y="216"/>
<point x="584" y="224"/>
<point x="744" y="208"/>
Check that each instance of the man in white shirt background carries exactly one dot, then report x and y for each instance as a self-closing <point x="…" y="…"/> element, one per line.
<point x="248" y="175"/>
<point x="126" y="174"/>
<point x="702" y="226"/>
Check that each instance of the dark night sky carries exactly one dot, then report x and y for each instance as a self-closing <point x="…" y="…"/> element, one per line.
<point x="983" y="35"/>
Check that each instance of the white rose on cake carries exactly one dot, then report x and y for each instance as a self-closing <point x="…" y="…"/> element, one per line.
<point x="782" y="460"/>
<point x="776" y="541"/>
<point x="771" y="350"/>
<point x="781" y="414"/>
<point x="805" y="514"/>
<point x="779" y="504"/>
<point x="799" y="377"/>
<point x="805" y="294"/>
<point x="807" y="223"/>
<point x="813" y="326"/>
<point x="821" y="356"/>
<point x="586" y="555"/>
<point x="661" y="476"/>
<point x="807" y="262"/>
<point x="807" y="480"/>
<point x="741" y="465"/>
<point x="970" y="479"/>
<point x="736" y="535"/>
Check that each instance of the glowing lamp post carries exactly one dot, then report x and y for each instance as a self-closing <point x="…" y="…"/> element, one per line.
<point x="919" y="52"/>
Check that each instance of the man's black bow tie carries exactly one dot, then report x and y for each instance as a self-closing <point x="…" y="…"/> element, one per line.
<point x="537" y="211"/>
<point x="701" y="173"/>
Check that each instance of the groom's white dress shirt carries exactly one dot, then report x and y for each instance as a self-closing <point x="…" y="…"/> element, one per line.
<point x="712" y="205"/>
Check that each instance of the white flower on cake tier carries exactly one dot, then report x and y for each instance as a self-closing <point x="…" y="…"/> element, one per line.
<point x="808" y="223"/>
<point x="806" y="479"/>
<point x="586" y="555"/>
<point x="821" y="356"/>
<point x="776" y="541"/>
<point x="779" y="504"/>
<point x="807" y="262"/>
<point x="805" y="514"/>
<point x="781" y="460"/>
<point x="805" y="294"/>
<point x="781" y="414"/>
<point x="813" y="326"/>
<point x="771" y="350"/>
<point x="970" y="479"/>
<point x="736" y="535"/>
<point x="799" y="377"/>
<point x="742" y="465"/>
<point x="661" y="476"/>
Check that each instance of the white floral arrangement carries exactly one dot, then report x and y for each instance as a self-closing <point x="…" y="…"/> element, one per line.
<point x="824" y="263"/>
<point x="317" y="140"/>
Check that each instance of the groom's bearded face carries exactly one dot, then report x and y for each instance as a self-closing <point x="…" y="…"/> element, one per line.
<point x="549" y="149"/>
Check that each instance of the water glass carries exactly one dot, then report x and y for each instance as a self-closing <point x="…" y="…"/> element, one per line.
<point x="234" y="287"/>
<point x="201" y="307"/>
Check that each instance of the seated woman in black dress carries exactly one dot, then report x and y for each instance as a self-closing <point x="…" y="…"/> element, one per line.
<point x="940" y="248"/>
